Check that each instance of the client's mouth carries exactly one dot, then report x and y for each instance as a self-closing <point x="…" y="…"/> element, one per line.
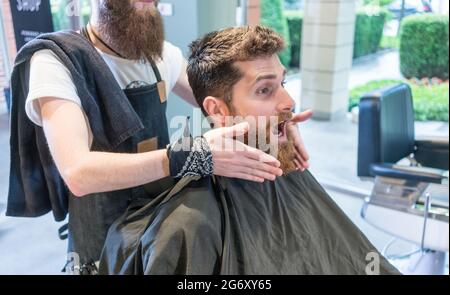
<point x="280" y="130"/>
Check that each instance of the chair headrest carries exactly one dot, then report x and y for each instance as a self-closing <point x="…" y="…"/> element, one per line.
<point x="386" y="127"/>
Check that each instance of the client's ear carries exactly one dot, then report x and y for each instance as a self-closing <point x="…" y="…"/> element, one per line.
<point x="216" y="109"/>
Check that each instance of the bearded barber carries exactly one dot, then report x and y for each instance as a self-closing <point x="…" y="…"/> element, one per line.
<point x="128" y="36"/>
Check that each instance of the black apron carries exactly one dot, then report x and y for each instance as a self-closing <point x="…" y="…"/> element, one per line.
<point x="91" y="216"/>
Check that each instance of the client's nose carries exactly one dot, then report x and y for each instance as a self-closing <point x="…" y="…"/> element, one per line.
<point x="286" y="103"/>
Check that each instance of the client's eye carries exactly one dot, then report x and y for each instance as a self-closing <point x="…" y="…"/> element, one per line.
<point x="264" y="91"/>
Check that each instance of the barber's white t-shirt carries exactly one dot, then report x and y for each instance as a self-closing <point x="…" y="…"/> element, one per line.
<point x="50" y="78"/>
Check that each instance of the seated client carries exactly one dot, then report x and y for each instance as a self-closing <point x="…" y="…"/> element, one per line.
<point x="220" y="225"/>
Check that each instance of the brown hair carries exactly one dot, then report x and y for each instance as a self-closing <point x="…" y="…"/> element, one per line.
<point x="211" y="69"/>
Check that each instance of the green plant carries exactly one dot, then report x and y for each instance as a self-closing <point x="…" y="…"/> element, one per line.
<point x="424" y="45"/>
<point x="391" y="42"/>
<point x="368" y="32"/>
<point x="295" y="24"/>
<point x="357" y="92"/>
<point x="59" y="17"/>
<point x="430" y="101"/>
<point x="272" y="17"/>
<point x="378" y="2"/>
<point x="370" y="21"/>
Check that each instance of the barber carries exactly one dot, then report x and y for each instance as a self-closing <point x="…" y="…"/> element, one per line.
<point x="128" y="35"/>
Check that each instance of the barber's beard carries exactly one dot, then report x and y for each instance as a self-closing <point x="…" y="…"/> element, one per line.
<point x="134" y="34"/>
<point x="285" y="151"/>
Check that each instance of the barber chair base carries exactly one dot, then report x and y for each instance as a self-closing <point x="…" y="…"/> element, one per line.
<point x="422" y="263"/>
<point x="397" y="207"/>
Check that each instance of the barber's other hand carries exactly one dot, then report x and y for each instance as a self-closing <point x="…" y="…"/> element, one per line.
<point x="301" y="157"/>
<point x="234" y="159"/>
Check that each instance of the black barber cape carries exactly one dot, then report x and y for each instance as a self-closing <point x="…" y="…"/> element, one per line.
<point x="229" y="226"/>
<point x="35" y="185"/>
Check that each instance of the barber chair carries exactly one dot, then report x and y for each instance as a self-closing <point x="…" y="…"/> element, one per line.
<point x="409" y="199"/>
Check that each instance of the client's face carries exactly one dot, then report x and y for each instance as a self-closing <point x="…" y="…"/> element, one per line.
<point x="260" y="99"/>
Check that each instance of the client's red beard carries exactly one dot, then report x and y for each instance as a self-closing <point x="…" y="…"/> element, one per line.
<point x="285" y="150"/>
<point x="134" y="34"/>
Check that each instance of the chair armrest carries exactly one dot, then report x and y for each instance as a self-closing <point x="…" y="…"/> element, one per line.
<point x="421" y="174"/>
<point x="433" y="143"/>
<point x="433" y="152"/>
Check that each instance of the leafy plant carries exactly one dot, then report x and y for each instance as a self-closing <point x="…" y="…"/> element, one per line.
<point x="369" y="28"/>
<point x="272" y="17"/>
<point x="424" y="45"/>
<point x="370" y="21"/>
<point x="431" y="100"/>
<point x="378" y="2"/>
<point x="295" y="23"/>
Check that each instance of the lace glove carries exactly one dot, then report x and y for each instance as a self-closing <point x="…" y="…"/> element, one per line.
<point x="190" y="156"/>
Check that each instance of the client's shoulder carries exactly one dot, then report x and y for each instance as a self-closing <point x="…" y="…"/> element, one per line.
<point x="304" y="177"/>
<point x="196" y="204"/>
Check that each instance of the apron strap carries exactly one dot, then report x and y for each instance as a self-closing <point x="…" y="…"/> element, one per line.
<point x="63" y="232"/>
<point x="85" y="34"/>
<point x="156" y="71"/>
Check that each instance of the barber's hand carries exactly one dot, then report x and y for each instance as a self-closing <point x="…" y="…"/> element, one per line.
<point x="234" y="159"/>
<point x="301" y="157"/>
